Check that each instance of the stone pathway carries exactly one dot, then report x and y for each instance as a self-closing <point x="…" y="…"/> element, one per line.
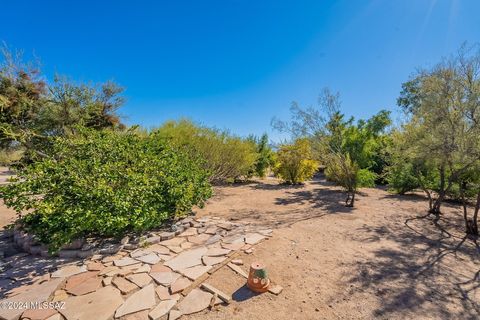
<point x="164" y="278"/>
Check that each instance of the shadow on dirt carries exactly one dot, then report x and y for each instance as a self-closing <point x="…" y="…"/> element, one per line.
<point x="298" y="203"/>
<point x="439" y="269"/>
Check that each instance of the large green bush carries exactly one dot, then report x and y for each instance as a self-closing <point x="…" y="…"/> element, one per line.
<point x="105" y="183"/>
<point x="295" y="162"/>
<point x="226" y="157"/>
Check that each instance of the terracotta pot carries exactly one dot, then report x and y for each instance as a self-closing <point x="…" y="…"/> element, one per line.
<point x="257" y="278"/>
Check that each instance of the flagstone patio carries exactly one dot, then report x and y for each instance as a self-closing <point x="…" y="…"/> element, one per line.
<point x="164" y="278"/>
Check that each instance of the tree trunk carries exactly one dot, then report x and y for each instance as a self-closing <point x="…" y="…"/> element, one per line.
<point x="463" y="187"/>
<point x="441" y="194"/>
<point x="350" y="201"/>
<point x="475" y="216"/>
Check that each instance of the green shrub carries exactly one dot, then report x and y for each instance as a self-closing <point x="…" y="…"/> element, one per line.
<point x="105" y="183"/>
<point x="265" y="156"/>
<point x="401" y="177"/>
<point x="226" y="157"/>
<point x="345" y="172"/>
<point x="295" y="163"/>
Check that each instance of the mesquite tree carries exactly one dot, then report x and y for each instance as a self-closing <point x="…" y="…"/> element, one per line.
<point x="443" y="109"/>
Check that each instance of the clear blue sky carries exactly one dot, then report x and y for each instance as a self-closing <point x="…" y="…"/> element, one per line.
<point x="236" y="64"/>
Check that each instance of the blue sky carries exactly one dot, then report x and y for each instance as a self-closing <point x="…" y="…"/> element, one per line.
<point x="236" y="64"/>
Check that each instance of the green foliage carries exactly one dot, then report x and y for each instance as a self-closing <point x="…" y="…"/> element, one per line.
<point x="32" y="110"/>
<point x="226" y="157"/>
<point x="295" y="162"/>
<point x="265" y="155"/>
<point x="346" y="173"/>
<point x="353" y="153"/>
<point x="443" y="126"/>
<point x="401" y="177"/>
<point x="105" y="183"/>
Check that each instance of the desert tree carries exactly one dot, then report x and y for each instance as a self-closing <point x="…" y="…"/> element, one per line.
<point x="443" y="128"/>
<point x="32" y="109"/>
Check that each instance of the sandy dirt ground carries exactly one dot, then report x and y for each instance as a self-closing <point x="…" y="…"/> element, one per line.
<point x="375" y="261"/>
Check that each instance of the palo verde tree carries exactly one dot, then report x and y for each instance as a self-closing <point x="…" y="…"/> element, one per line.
<point x="225" y="156"/>
<point x="295" y="162"/>
<point x="440" y="142"/>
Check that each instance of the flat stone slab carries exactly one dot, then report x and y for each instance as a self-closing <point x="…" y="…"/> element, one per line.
<point x="88" y="286"/>
<point x="95" y="266"/>
<point x="158" y="248"/>
<point x="237" y="238"/>
<point x="140" y="279"/>
<point x="145" y="268"/>
<point x="195" y="272"/>
<point x="253" y="238"/>
<point x="167" y="235"/>
<point x="143" y="299"/>
<point x="275" y="289"/>
<point x="68" y="271"/>
<point x="211" y="230"/>
<point x="78" y="279"/>
<point x="164" y="278"/>
<point x="173" y="242"/>
<point x="107" y="270"/>
<point x="196" y="301"/>
<point x="99" y="305"/>
<point x="175" y="249"/>
<point x="150" y="258"/>
<point x="174" y="314"/>
<point x="217" y="252"/>
<point x="187" y="259"/>
<point x="233" y="246"/>
<point x="189" y="232"/>
<point x="138" y="253"/>
<point x="179" y="285"/>
<point x="34" y="293"/>
<point x="187" y="245"/>
<point x="199" y="239"/>
<point x="124" y="262"/>
<point x="39" y="314"/>
<point x="140" y="315"/>
<point x="211" y="261"/>
<point x="161" y="309"/>
<point x="213" y="239"/>
<point x="159" y="267"/>
<point x="124" y="285"/>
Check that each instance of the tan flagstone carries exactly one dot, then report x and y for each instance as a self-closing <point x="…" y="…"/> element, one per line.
<point x="99" y="305"/>
<point x="196" y="301"/>
<point x="179" y="285"/>
<point x="143" y="299"/>
<point x="161" y="309"/>
<point x="193" y="273"/>
<point x="164" y="278"/>
<point x="187" y="259"/>
<point x="124" y="285"/>
<point x="140" y="279"/>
